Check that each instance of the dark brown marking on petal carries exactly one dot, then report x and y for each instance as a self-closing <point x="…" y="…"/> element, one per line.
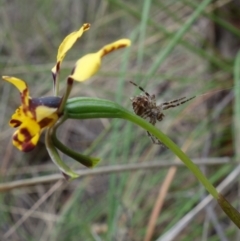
<point x="29" y="146"/>
<point x="106" y="51"/>
<point x="23" y="95"/>
<point x="26" y="133"/>
<point x="15" y="138"/>
<point x="15" y="122"/>
<point x="25" y="109"/>
<point x="121" y="46"/>
<point x="44" y="122"/>
<point x="86" y="26"/>
<point x="24" y="104"/>
<point x="32" y="107"/>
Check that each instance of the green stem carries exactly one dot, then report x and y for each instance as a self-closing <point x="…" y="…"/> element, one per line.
<point x="175" y="149"/>
<point x="87" y="108"/>
<point x="66" y="95"/>
<point x="84" y="160"/>
<point x="53" y="153"/>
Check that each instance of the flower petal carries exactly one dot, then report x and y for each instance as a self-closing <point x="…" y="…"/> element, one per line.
<point x="46" y="116"/>
<point x="122" y="43"/>
<point x="67" y="44"/>
<point x="86" y="67"/>
<point x="89" y="64"/>
<point x="42" y="113"/>
<point x="45" y="108"/>
<point x="17" y="118"/>
<point x="27" y="136"/>
<point x="22" y="87"/>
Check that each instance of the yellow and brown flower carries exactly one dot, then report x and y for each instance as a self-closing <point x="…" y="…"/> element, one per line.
<point x="34" y="115"/>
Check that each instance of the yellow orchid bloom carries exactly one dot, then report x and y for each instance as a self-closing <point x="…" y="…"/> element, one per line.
<point x="34" y="115"/>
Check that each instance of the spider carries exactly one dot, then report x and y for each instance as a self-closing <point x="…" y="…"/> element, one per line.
<point x="146" y="107"/>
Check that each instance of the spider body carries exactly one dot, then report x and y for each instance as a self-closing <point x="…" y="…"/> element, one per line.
<point x="146" y="107"/>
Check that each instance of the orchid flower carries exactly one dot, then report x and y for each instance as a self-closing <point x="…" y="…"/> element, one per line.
<point x="37" y="114"/>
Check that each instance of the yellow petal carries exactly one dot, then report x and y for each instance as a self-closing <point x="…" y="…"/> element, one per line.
<point x="86" y="67"/>
<point x="17" y="118"/>
<point x="46" y="115"/>
<point x="22" y="87"/>
<point x="122" y="43"/>
<point x="27" y="136"/>
<point x="89" y="64"/>
<point x="68" y="42"/>
<point x="20" y="84"/>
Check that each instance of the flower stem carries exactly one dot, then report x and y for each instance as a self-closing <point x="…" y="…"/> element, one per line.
<point x="86" y="108"/>
<point x="53" y="153"/>
<point x="66" y="95"/>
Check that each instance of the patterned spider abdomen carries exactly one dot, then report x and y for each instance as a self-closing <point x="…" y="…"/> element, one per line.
<point x="141" y="105"/>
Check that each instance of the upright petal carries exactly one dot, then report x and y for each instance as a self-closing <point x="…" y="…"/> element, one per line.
<point x="67" y="44"/>
<point x="69" y="41"/>
<point x="89" y="64"/>
<point x="22" y="87"/>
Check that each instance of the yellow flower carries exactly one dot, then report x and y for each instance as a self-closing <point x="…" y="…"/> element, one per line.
<point x="34" y="115"/>
<point x="89" y="64"/>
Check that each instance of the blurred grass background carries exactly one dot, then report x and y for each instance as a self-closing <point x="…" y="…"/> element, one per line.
<point x="118" y="206"/>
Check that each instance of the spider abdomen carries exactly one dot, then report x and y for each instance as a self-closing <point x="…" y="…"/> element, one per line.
<point x="140" y="105"/>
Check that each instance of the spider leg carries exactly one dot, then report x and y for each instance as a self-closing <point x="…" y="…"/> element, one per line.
<point x="153" y="98"/>
<point x="173" y="101"/>
<point x="155" y="140"/>
<point x="176" y="104"/>
<point x="141" y="88"/>
<point x="152" y="137"/>
<point x="152" y="120"/>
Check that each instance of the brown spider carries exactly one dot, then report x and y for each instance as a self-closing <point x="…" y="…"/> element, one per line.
<point x="146" y="107"/>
